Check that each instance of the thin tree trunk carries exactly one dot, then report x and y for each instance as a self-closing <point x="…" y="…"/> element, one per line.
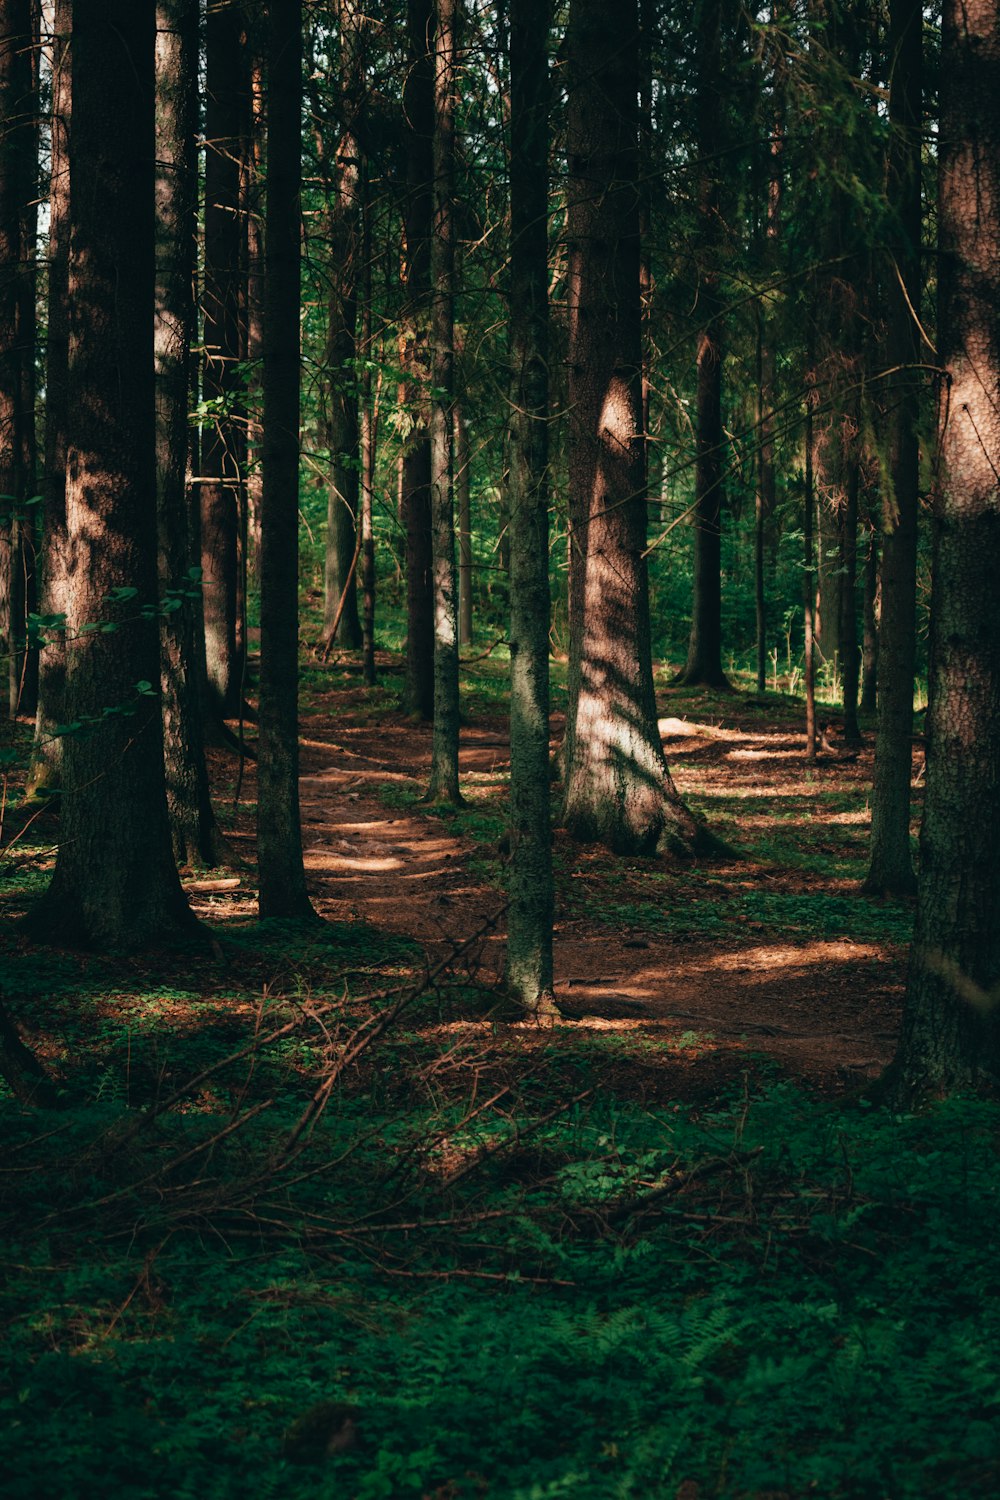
<point x="45" y="772"/>
<point x="368" y="436"/>
<point x="115" y="884"/>
<point x="869" y="620"/>
<point x="704" y="659"/>
<point x="255" y="300"/>
<point x="223" y="453"/>
<point x="18" y="143"/>
<point x="764" y="481"/>
<point x="951" y="1020"/>
<point x="279" y="833"/>
<point x="463" y="489"/>
<point x="418" y="110"/>
<point x="890" y="870"/>
<point x="196" y="836"/>
<point x="529" y="918"/>
<point x="343" y="430"/>
<point x="850" y="655"/>
<point x="444" y="743"/>
<point x="808" y="571"/>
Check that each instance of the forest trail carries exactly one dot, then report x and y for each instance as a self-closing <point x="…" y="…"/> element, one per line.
<point x="825" y="1008"/>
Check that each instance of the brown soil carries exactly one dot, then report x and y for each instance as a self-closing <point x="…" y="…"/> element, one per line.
<point x="692" y="1014"/>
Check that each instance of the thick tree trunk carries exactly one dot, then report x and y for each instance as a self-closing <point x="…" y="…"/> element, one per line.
<point x="255" y="300"/>
<point x="279" y="833"/>
<point x="704" y="659"/>
<point x="45" y="773"/>
<point x="196" y="836"/>
<point x="418" y="110"/>
<point x="529" y="916"/>
<point x="223" y="451"/>
<point x="891" y="868"/>
<point x="951" y="1021"/>
<point x="617" y="787"/>
<point x="114" y="884"/>
<point x="444" y="743"/>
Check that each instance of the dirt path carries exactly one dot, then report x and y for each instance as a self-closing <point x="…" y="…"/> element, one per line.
<point x="825" y="1009"/>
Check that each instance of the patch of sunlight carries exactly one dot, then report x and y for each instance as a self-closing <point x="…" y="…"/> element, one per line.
<point x="791" y="955"/>
<point x="764" y="754"/>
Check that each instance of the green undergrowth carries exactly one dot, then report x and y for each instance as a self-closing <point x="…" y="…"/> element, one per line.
<point x="549" y="1296"/>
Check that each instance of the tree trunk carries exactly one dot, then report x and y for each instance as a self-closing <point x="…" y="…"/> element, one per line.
<point x="617" y="787"/>
<point x="951" y="1021"/>
<point x="343" y="430"/>
<point x="529" y="916"/>
<point x="869" y="621"/>
<point x="279" y="833"/>
<point x="704" y="659"/>
<point x="255" y="300"/>
<point x="850" y="655"/>
<point x="115" y="884"/>
<point x="463" y="494"/>
<point x="45" y="773"/>
<point x="891" y="867"/>
<point x="418" y="111"/>
<point x="196" y="836"/>
<point x="808" y="572"/>
<point x="444" y="743"/>
<point x="18" y="150"/>
<point x="368" y="436"/>
<point x="223" y="454"/>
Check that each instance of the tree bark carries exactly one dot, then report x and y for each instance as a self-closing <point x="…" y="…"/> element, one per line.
<point x="196" y="836"/>
<point x="951" y="1021"/>
<point x="869" y="628"/>
<point x="704" y="660"/>
<point x="115" y="884"/>
<point x="45" y="773"/>
<point x="18" y="169"/>
<point x="223" y="452"/>
<point x="529" y="918"/>
<point x="418" y="111"/>
<point x="444" y="741"/>
<point x="890" y="870"/>
<point x="279" y="832"/>
<point x="617" y="787"/>
<point x="463" y="492"/>
<point x="343" y="428"/>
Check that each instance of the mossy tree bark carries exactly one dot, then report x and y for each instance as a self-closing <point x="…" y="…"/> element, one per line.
<point x="196" y="835"/>
<point x="279" y="832"/>
<point x="529" y="916"/>
<point x="115" y="884"/>
<point x="890" y="870"/>
<point x="951" y="1021"/>
<point x="617" y="786"/>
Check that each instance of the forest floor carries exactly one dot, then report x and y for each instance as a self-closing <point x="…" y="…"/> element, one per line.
<point x="318" y="1214"/>
<point x="684" y="970"/>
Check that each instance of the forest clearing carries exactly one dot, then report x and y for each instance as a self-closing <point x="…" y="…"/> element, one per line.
<point x="499" y="749"/>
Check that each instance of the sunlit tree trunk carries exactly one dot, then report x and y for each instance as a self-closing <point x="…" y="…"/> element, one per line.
<point x="415" y="480"/>
<point x="529" y="916"/>
<point x="444" y="742"/>
<point x="196" y="837"/>
<point x="223" y="448"/>
<point x="279" y="833"/>
<point x="45" y="771"/>
<point x="115" y="884"/>
<point x="617" y="787"/>
<point x="951" y="1021"/>
<point x="891" y="866"/>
